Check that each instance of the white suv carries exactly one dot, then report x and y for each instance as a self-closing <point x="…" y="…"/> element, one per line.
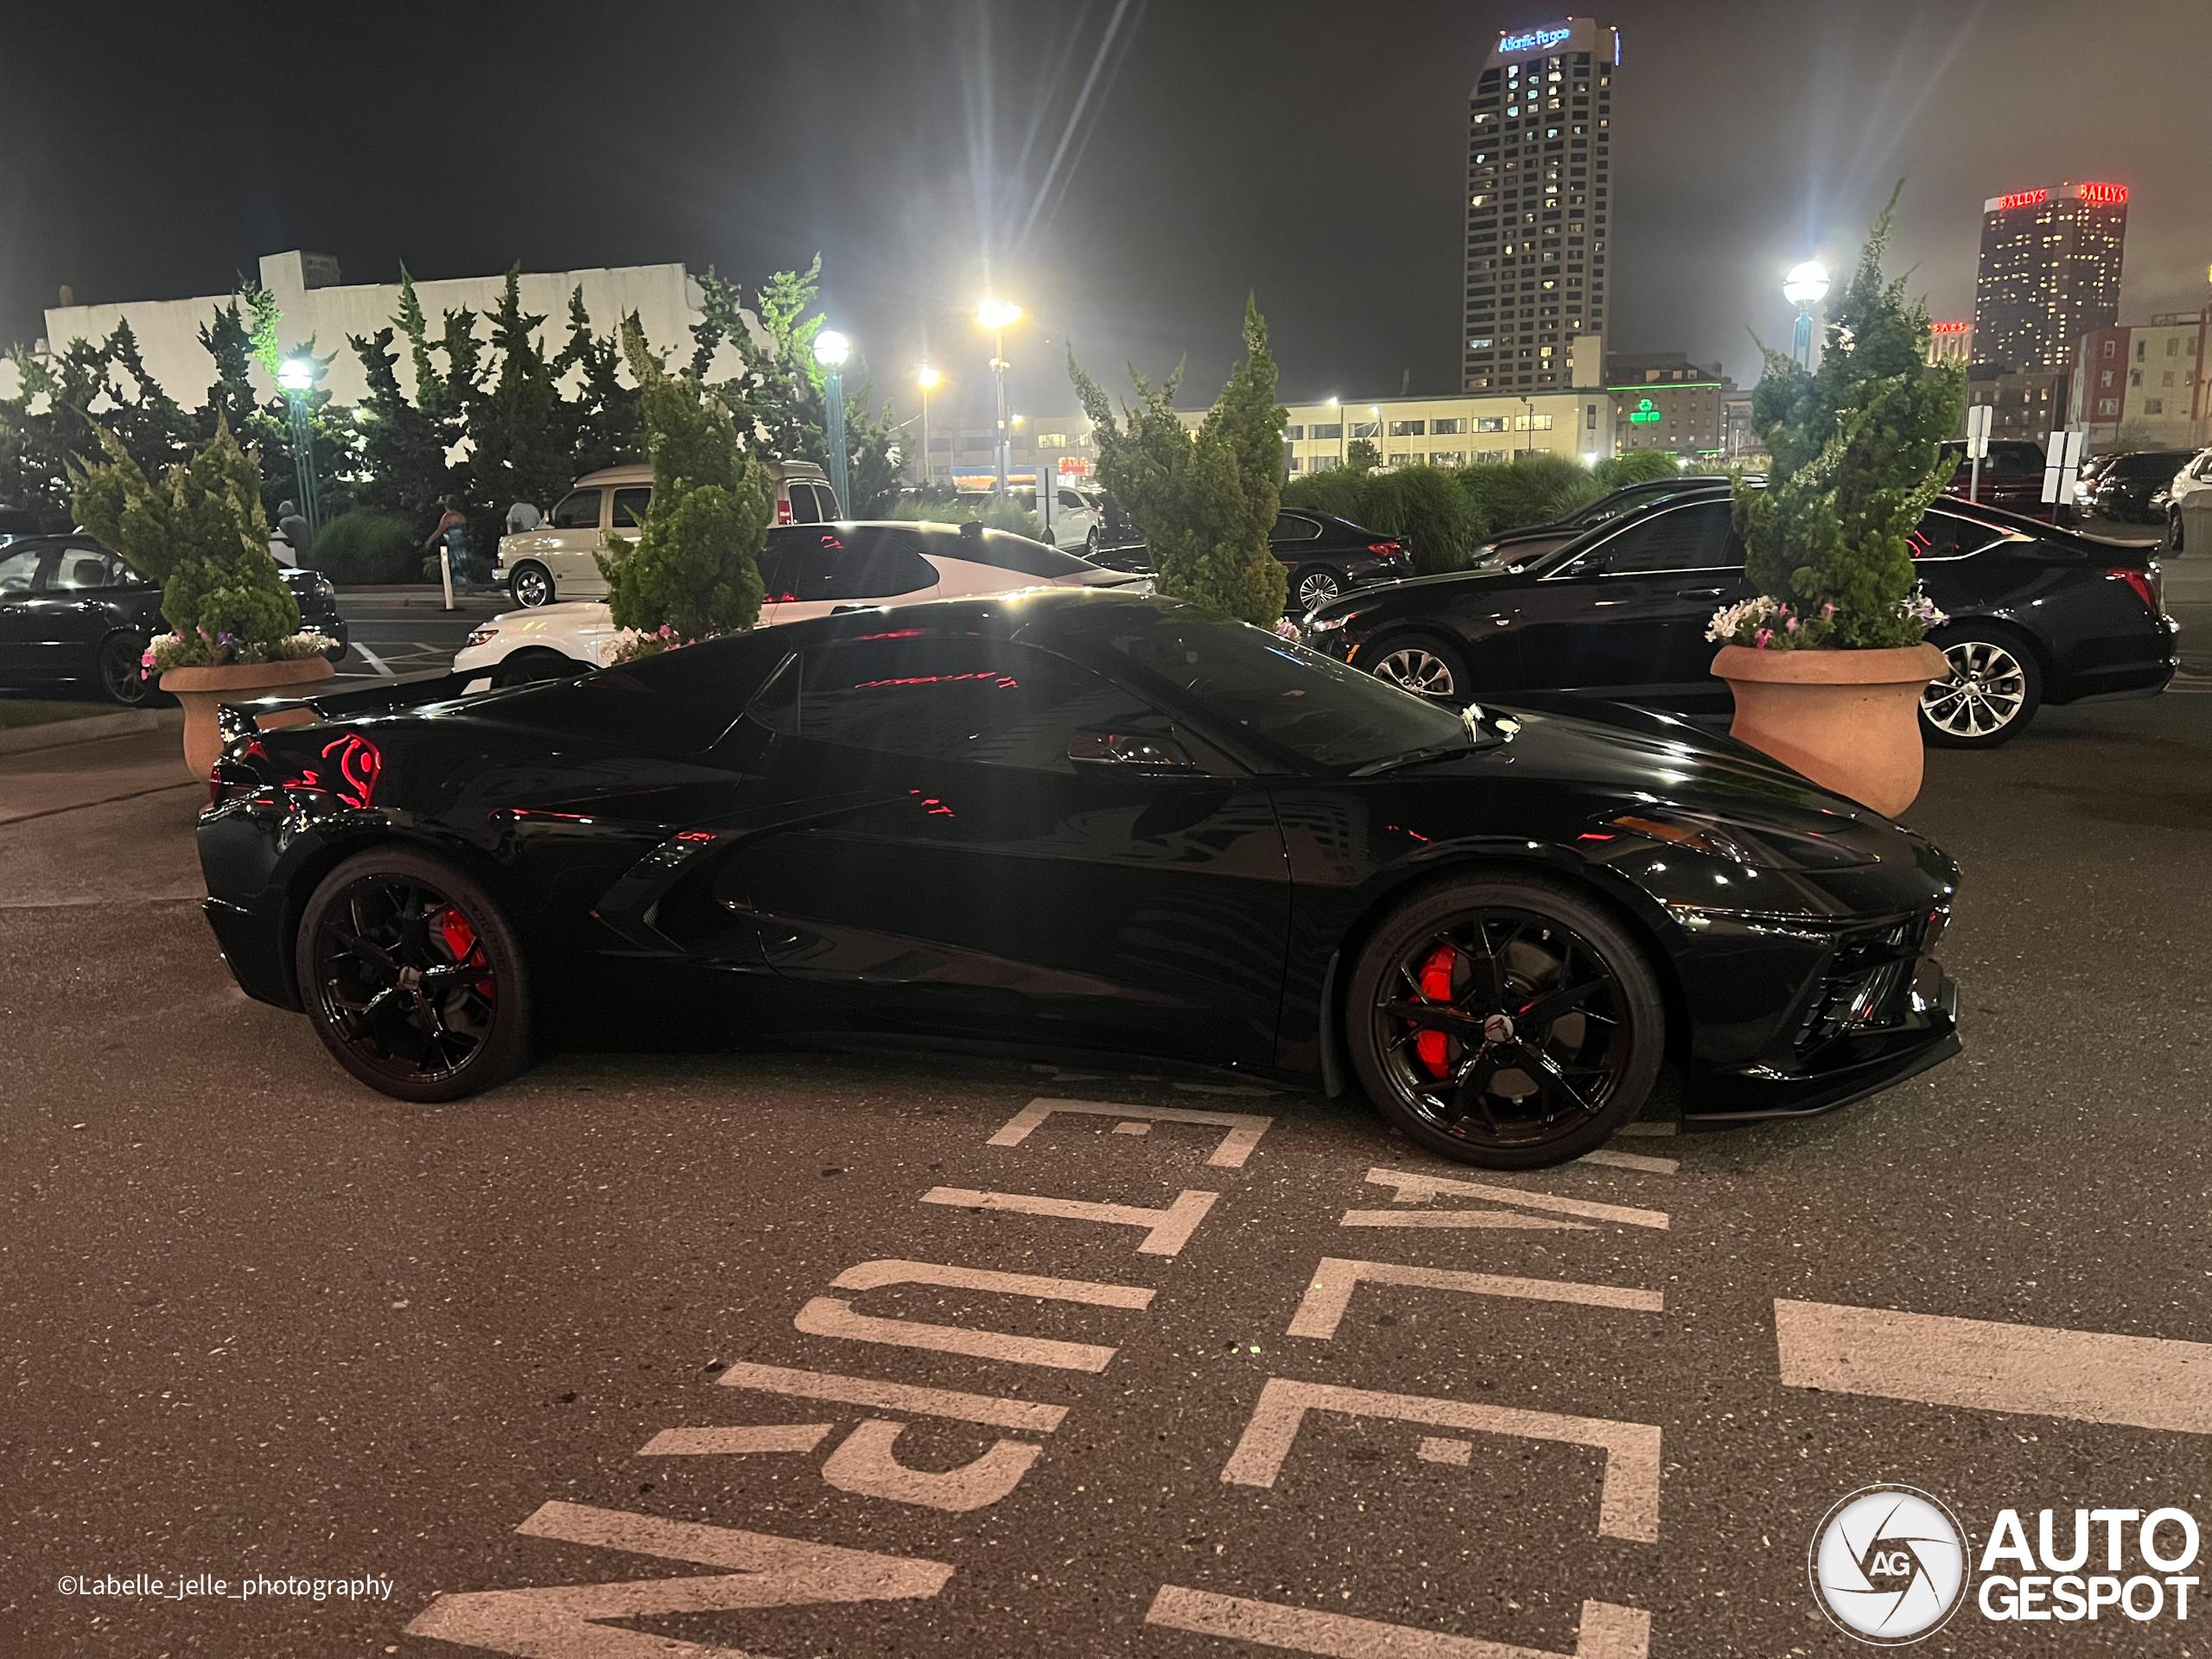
<point x="807" y="571"/>
<point x="557" y="560"/>
<point x="2190" y="483"/>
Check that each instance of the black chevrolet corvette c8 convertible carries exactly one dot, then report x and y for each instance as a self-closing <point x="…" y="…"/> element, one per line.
<point x="1081" y="824"/>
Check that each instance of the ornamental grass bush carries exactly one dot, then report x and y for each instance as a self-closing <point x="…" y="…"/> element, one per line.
<point x="363" y="547"/>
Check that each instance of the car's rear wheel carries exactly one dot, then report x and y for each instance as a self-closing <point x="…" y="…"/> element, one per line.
<point x="123" y="678"/>
<point x="530" y="585"/>
<point x="1428" y="668"/>
<point x="412" y="978"/>
<point x="1314" y="586"/>
<point x="1994" y="688"/>
<point x="2173" y="542"/>
<point x="1505" y="1021"/>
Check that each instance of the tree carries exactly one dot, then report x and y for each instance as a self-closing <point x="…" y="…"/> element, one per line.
<point x="405" y="442"/>
<point x="694" y="570"/>
<point x="1856" y="462"/>
<point x="200" y="532"/>
<point x="521" y="430"/>
<point x="51" y="421"/>
<point x="1362" y="456"/>
<point x="1203" y="501"/>
<point x="606" y="430"/>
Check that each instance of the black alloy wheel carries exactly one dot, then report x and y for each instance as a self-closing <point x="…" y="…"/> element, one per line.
<point x="534" y="666"/>
<point x="1427" y="668"/>
<point x="530" y="585"/>
<point x="1505" y="1021"/>
<point x="1314" y="586"/>
<point x="123" y="678"/>
<point x="412" y="978"/>
<point x="1994" y="688"/>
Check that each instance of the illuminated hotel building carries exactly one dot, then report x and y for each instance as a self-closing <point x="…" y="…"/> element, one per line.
<point x="1950" y="342"/>
<point x="2050" y="273"/>
<point x="1539" y="151"/>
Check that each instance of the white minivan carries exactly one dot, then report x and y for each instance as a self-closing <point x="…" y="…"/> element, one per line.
<point x="556" y="561"/>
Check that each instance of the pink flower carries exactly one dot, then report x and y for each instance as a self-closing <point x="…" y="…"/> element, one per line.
<point x="1793" y="625"/>
<point x="1760" y="639"/>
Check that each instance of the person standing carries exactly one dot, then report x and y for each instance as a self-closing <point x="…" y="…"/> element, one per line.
<point x="452" y="529"/>
<point x="292" y="530"/>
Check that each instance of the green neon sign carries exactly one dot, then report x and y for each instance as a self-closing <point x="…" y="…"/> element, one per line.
<point x="1644" y="412"/>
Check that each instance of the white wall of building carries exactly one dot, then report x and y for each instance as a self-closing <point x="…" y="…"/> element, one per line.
<point x="665" y="298"/>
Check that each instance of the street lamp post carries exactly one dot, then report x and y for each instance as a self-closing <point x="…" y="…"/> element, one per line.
<point x="296" y="375"/>
<point x="830" y="349"/>
<point x="998" y="316"/>
<point x="926" y="377"/>
<point x="1344" y="452"/>
<point x="1805" y="287"/>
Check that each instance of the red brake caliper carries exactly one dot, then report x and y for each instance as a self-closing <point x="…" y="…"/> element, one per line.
<point x="460" y="939"/>
<point x="1436" y="985"/>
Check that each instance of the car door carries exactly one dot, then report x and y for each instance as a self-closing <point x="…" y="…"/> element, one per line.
<point x="21" y="565"/>
<point x="1625" y="620"/>
<point x="70" y="611"/>
<point x="572" y="535"/>
<point x="826" y="568"/>
<point x="982" y="838"/>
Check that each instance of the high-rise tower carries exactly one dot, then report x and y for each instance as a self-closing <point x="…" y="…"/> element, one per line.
<point x="2050" y="273"/>
<point x="1539" y="149"/>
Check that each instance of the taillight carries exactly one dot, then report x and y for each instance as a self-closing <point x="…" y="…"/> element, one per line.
<point x="783" y="510"/>
<point x="2148" y="585"/>
<point x="1386" y="550"/>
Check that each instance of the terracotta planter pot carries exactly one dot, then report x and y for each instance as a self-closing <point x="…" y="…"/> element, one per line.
<point x="202" y="690"/>
<point x="1849" y="720"/>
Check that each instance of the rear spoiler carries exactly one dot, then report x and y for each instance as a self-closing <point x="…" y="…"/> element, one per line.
<point x="385" y="696"/>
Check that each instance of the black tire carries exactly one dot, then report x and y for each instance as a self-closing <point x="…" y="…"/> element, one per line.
<point x="121" y="677"/>
<point x="1423" y="665"/>
<point x="1995" y="688"/>
<point x="534" y="666"/>
<point x="530" y="585"/>
<point x="2173" y="542"/>
<point x="379" y="927"/>
<point x="1312" y="586"/>
<point x="1547" y="1031"/>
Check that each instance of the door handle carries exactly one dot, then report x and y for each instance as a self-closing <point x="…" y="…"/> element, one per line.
<point x="1700" y="593"/>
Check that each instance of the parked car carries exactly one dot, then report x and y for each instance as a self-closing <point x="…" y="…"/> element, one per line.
<point x="1322" y="556"/>
<point x="72" y="612"/>
<point x="806" y="570"/>
<point x="1078" y="517"/>
<point x="556" y="561"/>
<point x="1517" y="546"/>
<point x="16" y="523"/>
<point x="2011" y="478"/>
<point x="1081" y="822"/>
<point x="2125" y="485"/>
<point x="2038" y="615"/>
<point x="2193" y="481"/>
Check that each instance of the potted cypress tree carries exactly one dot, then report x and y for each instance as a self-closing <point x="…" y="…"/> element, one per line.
<point x="201" y="533"/>
<point x="1828" y="664"/>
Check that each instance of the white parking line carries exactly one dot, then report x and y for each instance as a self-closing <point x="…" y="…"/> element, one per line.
<point x="1414" y="1188"/>
<point x="372" y="660"/>
<point x="1650" y="1166"/>
<point x="1608" y="1631"/>
<point x="723" y="1442"/>
<point x="1322" y="1308"/>
<point x="1167" y="1230"/>
<point x="830" y="1316"/>
<point x="865" y="1462"/>
<point x="895" y="1396"/>
<point x="2093" y="1377"/>
<point x="1506" y="1218"/>
<point x="1628" y="1505"/>
<point x="1244" y="1128"/>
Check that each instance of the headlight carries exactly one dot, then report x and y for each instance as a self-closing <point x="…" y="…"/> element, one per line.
<point x="1328" y="624"/>
<point x="483" y="636"/>
<point x="1763" y="848"/>
<point x="323" y="589"/>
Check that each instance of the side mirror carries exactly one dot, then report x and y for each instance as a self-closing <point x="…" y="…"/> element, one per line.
<point x="1135" y="751"/>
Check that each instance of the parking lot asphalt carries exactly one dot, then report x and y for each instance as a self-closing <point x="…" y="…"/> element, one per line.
<point x="796" y="1353"/>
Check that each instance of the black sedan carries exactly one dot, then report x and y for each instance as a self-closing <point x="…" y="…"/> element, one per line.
<point x="1324" y="557"/>
<point x="2125" y="484"/>
<point x="1080" y="824"/>
<point x="72" y="612"/>
<point x="1518" y="546"/>
<point x="2038" y="615"/>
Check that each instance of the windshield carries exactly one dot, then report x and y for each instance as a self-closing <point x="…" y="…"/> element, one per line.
<point x="1315" y="712"/>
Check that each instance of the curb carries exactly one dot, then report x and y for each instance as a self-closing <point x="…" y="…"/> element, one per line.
<point x="24" y="740"/>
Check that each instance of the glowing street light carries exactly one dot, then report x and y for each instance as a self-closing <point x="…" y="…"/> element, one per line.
<point x="1805" y="287"/>
<point x="998" y="316"/>
<point x="926" y="377"/>
<point x="830" y="351"/>
<point x="1342" y="453"/>
<point x="296" y="375"/>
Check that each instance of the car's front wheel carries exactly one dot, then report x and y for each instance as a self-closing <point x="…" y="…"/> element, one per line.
<point x="1994" y="688"/>
<point x="123" y="677"/>
<point x="2173" y="542"/>
<point x="1313" y="587"/>
<point x="530" y="585"/>
<point x="412" y="978"/>
<point x="1428" y="668"/>
<point x="535" y="665"/>
<point x="1506" y="1021"/>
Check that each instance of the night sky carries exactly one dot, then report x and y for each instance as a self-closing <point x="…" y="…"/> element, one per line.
<point x="1125" y="171"/>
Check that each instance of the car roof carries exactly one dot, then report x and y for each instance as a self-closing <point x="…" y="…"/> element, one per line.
<point x="641" y="471"/>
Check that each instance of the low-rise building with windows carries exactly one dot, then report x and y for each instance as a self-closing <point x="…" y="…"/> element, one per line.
<point x="2142" y="385"/>
<point x="1663" y="401"/>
